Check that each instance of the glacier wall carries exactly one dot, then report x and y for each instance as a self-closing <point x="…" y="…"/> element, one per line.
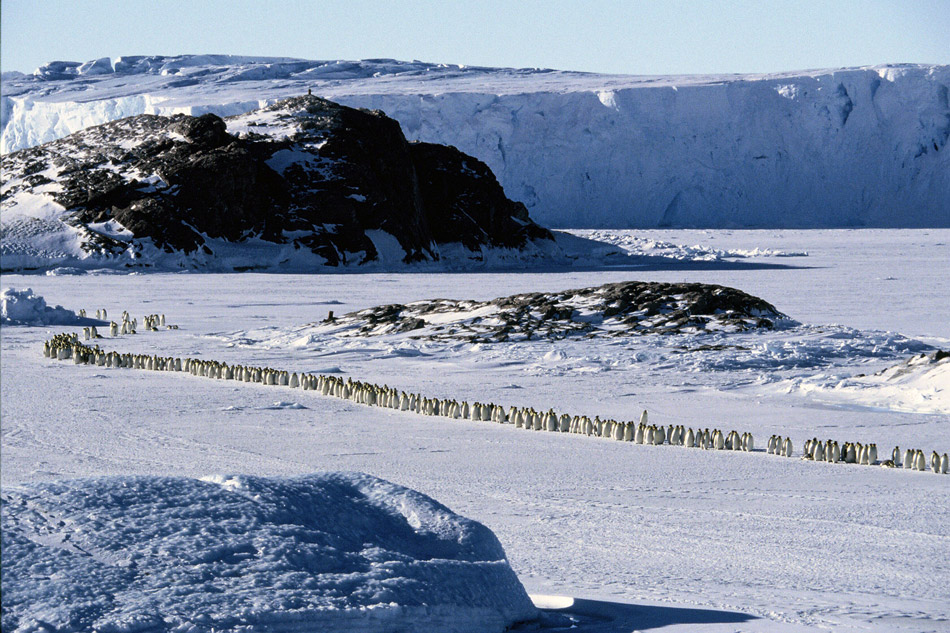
<point x="847" y="148"/>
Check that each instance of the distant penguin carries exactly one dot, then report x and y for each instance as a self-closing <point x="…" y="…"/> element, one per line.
<point x="935" y="462"/>
<point x="944" y="464"/>
<point x="896" y="455"/>
<point x="787" y="448"/>
<point x="690" y="440"/>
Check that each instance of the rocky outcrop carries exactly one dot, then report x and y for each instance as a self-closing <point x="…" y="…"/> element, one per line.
<point x="619" y="309"/>
<point x="305" y="172"/>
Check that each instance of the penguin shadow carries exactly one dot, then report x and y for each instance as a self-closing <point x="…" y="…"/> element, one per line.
<point x="581" y="615"/>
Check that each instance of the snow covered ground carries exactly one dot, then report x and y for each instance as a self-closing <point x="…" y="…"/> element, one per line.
<point x="643" y="537"/>
<point x="817" y="148"/>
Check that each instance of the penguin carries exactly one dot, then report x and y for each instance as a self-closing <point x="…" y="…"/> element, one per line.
<point x="564" y="423"/>
<point x="648" y="435"/>
<point x="920" y="461"/>
<point x="935" y="462"/>
<point x="872" y="454"/>
<point x="896" y="455"/>
<point x="720" y="442"/>
<point x="690" y="440"/>
<point x="628" y="431"/>
<point x="659" y="436"/>
<point x="944" y="464"/>
<point x="909" y="458"/>
<point x="835" y="452"/>
<point x="787" y="448"/>
<point x="819" y="452"/>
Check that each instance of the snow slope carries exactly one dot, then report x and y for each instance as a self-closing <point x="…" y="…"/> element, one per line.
<point x="824" y="148"/>
<point x="335" y="551"/>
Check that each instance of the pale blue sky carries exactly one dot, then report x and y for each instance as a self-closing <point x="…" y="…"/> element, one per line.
<point x="671" y="37"/>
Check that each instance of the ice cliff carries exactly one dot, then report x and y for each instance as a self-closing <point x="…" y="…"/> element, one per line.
<point x="826" y="148"/>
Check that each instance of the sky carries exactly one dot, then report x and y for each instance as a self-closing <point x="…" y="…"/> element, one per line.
<point x="632" y="37"/>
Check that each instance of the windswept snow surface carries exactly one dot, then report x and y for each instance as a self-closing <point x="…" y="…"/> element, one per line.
<point x="323" y="552"/>
<point x="644" y="537"/>
<point x="823" y="148"/>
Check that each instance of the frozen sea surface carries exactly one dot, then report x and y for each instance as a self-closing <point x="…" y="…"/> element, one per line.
<point x="657" y="536"/>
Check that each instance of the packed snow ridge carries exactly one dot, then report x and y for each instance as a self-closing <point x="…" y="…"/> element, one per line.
<point x="336" y="552"/>
<point x="827" y="148"/>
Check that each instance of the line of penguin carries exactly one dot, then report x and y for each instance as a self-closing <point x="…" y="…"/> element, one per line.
<point x="857" y="453"/>
<point x="129" y="324"/>
<point x="66" y="346"/>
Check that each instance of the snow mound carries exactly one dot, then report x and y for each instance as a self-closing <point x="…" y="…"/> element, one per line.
<point x="322" y="552"/>
<point x="920" y="384"/>
<point x="22" y="307"/>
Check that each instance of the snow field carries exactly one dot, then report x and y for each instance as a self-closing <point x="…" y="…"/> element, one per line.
<point x="689" y="537"/>
<point x="67" y="346"/>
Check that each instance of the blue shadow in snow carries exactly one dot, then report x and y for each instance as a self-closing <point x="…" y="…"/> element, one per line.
<point x="599" y="616"/>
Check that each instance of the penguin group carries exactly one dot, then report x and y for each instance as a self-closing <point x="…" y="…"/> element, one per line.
<point x="126" y="324"/>
<point x="916" y="459"/>
<point x="68" y="346"/>
<point x="781" y="446"/>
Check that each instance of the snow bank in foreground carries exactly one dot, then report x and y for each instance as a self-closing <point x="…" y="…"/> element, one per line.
<point x="22" y="307"/>
<point x="322" y="552"/>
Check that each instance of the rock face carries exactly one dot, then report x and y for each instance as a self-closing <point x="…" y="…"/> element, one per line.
<point x="618" y="309"/>
<point x="305" y="172"/>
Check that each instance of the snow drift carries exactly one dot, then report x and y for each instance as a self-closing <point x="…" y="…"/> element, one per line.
<point x="825" y="148"/>
<point x="324" y="552"/>
<point x="23" y="307"/>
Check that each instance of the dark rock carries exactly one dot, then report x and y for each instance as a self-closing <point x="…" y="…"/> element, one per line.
<point x="618" y="309"/>
<point x="325" y="177"/>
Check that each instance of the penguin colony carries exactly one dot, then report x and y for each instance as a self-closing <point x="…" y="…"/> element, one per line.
<point x="68" y="346"/>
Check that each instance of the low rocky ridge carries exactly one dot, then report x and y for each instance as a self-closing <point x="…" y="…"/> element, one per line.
<point x="305" y="172"/>
<point x="617" y="309"/>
